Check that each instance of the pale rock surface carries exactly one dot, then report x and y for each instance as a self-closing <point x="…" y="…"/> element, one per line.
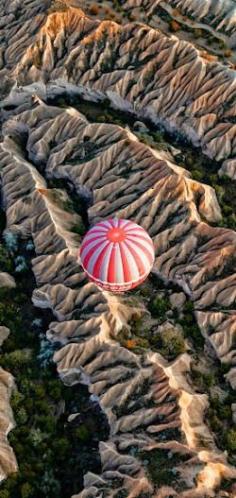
<point x="4" y="333"/>
<point x="8" y="463"/>
<point x="134" y="66"/>
<point x="215" y="16"/>
<point x="148" y="402"/>
<point x="144" y="398"/>
<point x="229" y="169"/>
<point x="7" y="280"/>
<point x="177" y="299"/>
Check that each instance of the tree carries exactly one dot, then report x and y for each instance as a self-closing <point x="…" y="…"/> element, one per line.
<point x="26" y="490"/>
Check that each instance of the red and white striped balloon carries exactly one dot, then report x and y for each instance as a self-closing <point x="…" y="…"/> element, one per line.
<point x="117" y="254"/>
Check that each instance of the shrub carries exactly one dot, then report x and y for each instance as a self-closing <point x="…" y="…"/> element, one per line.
<point x="46" y="351"/>
<point x="159" y="306"/>
<point x="79" y="228"/>
<point x="169" y="343"/>
<point x="49" y="484"/>
<point x="21" y="416"/>
<point x="197" y="175"/>
<point x="202" y="380"/>
<point x="231" y="439"/>
<point x="26" y="490"/>
<point x="11" y="241"/>
<point x="4" y="493"/>
<point x="36" y="437"/>
<point x="29" y="246"/>
<point x="82" y="432"/>
<point x="17" y="359"/>
<point x="20" y="264"/>
<point x="37" y="323"/>
<point x="6" y="263"/>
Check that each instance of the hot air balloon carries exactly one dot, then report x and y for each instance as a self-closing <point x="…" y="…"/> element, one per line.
<point x="117" y="254"/>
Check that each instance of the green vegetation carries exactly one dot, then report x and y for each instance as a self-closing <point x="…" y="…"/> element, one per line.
<point x="168" y="341"/>
<point x="160" y="466"/>
<point x="190" y="328"/>
<point x="231" y="439"/>
<point x="159" y="306"/>
<point x="203" y="380"/>
<point x="52" y="453"/>
<point x="155" y="139"/>
<point x="219" y="413"/>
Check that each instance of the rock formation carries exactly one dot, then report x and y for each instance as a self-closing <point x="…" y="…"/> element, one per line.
<point x="218" y="16"/>
<point x="55" y="50"/>
<point x="8" y="463"/>
<point x="107" y="164"/>
<point x="138" y="69"/>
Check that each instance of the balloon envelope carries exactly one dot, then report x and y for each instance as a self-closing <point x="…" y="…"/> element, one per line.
<point x="117" y="254"/>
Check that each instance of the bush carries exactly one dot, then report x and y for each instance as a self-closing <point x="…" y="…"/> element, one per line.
<point x="82" y="433"/>
<point x="6" y="263"/>
<point x="11" y="241"/>
<point x="4" y="493"/>
<point x="202" y="380"/>
<point x="20" y="264"/>
<point x="169" y="343"/>
<point x="21" y="416"/>
<point x="231" y="439"/>
<point x="159" y="306"/>
<point x="26" y="490"/>
<point x="36" y="437"/>
<point x="46" y="351"/>
<point x="49" y="484"/>
<point x="17" y="359"/>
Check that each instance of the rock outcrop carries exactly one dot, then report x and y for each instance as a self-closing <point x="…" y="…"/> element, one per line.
<point x="138" y="69"/>
<point x="216" y="16"/>
<point x="8" y="464"/>
<point x="51" y="50"/>
<point x="148" y="403"/>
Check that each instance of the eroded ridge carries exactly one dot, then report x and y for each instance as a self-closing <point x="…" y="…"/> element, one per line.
<point x="219" y="14"/>
<point x="140" y="70"/>
<point x="108" y="166"/>
<point x="8" y="464"/>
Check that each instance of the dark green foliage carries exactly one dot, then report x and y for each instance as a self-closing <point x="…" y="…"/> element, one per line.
<point x="231" y="440"/>
<point x="52" y="454"/>
<point x="6" y="263"/>
<point x="191" y="330"/>
<point x="79" y="229"/>
<point x="219" y="418"/>
<point x="153" y="139"/>
<point x="160" y="466"/>
<point x="159" y="306"/>
<point x="169" y="343"/>
<point x="202" y="380"/>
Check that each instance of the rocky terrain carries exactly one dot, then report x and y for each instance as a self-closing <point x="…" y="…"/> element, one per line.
<point x="210" y="24"/>
<point x="66" y="164"/>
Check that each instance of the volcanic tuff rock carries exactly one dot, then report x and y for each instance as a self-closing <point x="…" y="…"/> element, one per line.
<point x="215" y="15"/>
<point x="107" y="164"/>
<point x="7" y="280"/>
<point x="138" y="68"/>
<point x="4" y="333"/>
<point x="8" y="462"/>
<point x="149" y="403"/>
